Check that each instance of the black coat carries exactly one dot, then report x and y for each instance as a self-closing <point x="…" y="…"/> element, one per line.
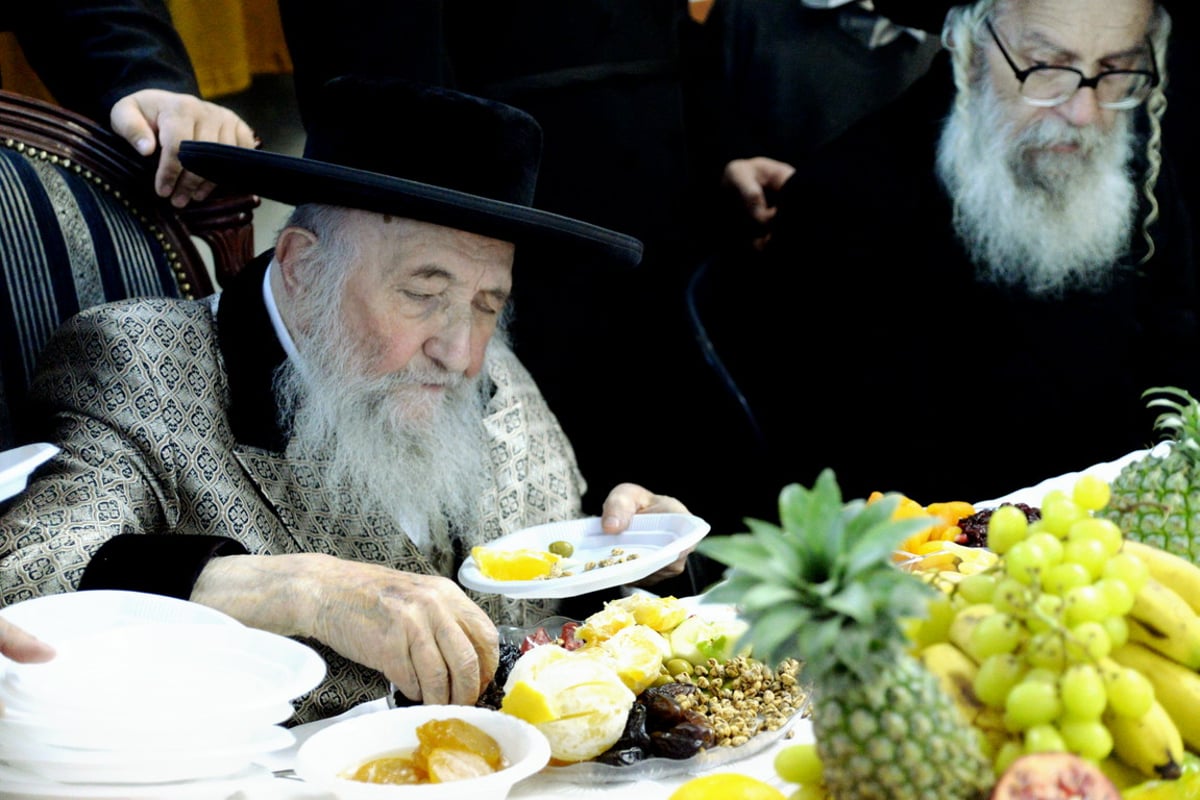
<point x="91" y="53"/>
<point x="864" y="343"/>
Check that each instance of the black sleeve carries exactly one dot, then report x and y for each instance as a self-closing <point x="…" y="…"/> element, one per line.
<point x="91" y="53"/>
<point x="166" y="564"/>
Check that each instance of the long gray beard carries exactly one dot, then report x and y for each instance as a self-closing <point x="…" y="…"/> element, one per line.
<point x="1048" y="222"/>
<point x="388" y="446"/>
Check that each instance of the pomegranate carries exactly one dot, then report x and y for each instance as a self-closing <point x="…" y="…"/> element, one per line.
<point x="1054" y="776"/>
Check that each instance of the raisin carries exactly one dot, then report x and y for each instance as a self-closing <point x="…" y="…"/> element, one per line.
<point x="974" y="527"/>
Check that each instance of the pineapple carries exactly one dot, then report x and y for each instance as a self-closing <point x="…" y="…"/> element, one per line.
<point x="823" y="589"/>
<point x="1156" y="499"/>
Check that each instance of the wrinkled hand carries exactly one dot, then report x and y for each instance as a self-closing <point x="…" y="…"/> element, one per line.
<point x="153" y="119"/>
<point x="627" y="499"/>
<point x="21" y="646"/>
<point x="751" y="179"/>
<point x="422" y="632"/>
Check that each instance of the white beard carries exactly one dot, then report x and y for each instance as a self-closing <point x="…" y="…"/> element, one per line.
<point x="1028" y="217"/>
<point x="395" y="449"/>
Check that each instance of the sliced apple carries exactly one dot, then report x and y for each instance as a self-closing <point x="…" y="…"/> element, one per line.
<point x="697" y="639"/>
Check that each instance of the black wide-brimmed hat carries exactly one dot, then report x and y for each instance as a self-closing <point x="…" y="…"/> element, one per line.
<point x="928" y="15"/>
<point x="418" y="151"/>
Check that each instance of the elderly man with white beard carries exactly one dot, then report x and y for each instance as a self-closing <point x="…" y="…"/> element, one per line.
<point x="970" y="290"/>
<point x="316" y="448"/>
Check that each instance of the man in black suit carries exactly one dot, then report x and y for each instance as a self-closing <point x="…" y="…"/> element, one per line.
<point x="122" y="62"/>
<point x="972" y="288"/>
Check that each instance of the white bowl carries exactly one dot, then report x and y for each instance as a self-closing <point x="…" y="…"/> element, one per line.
<point x="343" y="745"/>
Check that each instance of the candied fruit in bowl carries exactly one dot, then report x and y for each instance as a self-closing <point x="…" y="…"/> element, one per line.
<point x="447" y="750"/>
<point x="457" y="734"/>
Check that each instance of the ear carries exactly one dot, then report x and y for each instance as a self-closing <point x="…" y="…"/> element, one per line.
<point x="291" y="244"/>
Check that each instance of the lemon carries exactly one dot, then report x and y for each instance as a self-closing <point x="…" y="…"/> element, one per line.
<point x="724" y="786"/>
<point x="636" y="653"/>
<point x="522" y="564"/>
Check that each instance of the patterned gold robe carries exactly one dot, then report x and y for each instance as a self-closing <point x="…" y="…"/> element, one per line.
<point x="163" y="412"/>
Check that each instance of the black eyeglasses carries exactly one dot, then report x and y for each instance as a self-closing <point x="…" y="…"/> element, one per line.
<point x="1044" y="85"/>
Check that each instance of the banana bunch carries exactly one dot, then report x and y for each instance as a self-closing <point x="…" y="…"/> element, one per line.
<point x="956" y="672"/>
<point x="1164" y="646"/>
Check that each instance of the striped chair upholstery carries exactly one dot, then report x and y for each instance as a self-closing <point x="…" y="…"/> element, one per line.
<point x="79" y="226"/>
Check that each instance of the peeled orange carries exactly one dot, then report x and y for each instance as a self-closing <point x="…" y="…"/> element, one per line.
<point x="522" y="564"/>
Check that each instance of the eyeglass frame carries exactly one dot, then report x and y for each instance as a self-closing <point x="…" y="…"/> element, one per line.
<point x="1084" y="81"/>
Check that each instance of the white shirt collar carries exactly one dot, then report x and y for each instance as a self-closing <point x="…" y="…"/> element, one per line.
<point x="281" y="330"/>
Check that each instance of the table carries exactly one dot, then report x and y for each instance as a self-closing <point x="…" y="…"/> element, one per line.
<point x="761" y="765"/>
<point x="536" y="787"/>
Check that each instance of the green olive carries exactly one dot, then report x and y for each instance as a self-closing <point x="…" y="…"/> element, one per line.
<point x="561" y="548"/>
<point x="675" y="666"/>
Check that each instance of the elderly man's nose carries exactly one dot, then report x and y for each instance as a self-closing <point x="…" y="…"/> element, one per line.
<point x="1082" y="108"/>
<point x="451" y="345"/>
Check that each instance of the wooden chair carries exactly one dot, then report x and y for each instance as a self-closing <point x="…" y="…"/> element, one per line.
<point x="81" y="225"/>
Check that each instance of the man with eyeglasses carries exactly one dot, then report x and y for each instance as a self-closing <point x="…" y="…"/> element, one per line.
<point x="973" y="287"/>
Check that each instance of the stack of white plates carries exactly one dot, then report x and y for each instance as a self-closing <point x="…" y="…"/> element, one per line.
<point x="146" y="693"/>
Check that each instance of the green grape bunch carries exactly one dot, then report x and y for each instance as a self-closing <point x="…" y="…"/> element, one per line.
<point x="1041" y="624"/>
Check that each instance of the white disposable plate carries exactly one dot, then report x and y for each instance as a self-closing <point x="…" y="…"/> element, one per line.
<point x="146" y="765"/>
<point x="17" y="464"/>
<point x="656" y="539"/>
<point x="182" y="732"/>
<point x="166" y="671"/>
<point x="57" y="618"/>
<point x="18" y="783"/>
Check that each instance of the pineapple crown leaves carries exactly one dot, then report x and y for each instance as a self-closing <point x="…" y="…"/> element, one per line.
<point x="822" y="586"/>
<point x="1181" y="422"/>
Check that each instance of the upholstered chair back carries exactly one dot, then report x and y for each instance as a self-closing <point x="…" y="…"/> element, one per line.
<point x="80" y="225"/>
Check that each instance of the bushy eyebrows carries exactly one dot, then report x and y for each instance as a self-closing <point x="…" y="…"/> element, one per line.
<point x="435" y="272"/>
<point x="1034" y="39"/>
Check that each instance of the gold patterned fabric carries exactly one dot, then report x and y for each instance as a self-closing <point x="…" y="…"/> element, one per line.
<point x="140" y="399"/>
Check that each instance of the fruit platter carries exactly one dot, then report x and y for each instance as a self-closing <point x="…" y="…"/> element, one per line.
<point x="1045" y="647"/>
<point x="648" y="687"/>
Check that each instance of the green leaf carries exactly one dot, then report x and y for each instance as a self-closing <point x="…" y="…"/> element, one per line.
<point x="732" y="589"/>
<point x="818" y="645"/>
<point x="766" y="595"/>
<point x="876" y="545"/>
<point x="780" y="550"/>
<point x="813" y="517"/>
<point x="855" y="601"/>
<point x="743" y="551"/>
<point x="771" y="634"/>
<point x="861" y="515"/>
